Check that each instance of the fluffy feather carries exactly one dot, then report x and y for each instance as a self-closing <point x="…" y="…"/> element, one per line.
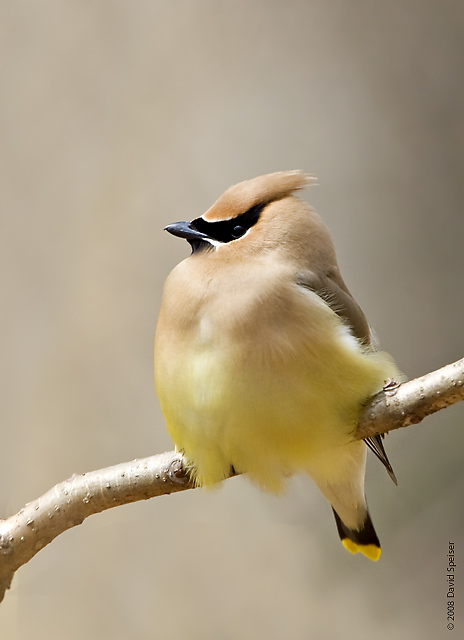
<point x="263" y="359"/>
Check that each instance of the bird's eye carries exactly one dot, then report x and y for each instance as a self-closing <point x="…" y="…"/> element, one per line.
<point x="227" y="230"/>
<point x="238" y="231"/>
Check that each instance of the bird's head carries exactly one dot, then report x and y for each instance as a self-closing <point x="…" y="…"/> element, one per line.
<point x="255" y="216"/>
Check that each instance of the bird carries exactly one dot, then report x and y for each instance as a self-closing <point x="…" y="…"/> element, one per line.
<point x="263" y="359"/>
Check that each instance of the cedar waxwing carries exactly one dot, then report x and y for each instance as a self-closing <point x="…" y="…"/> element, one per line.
<point x="263" y="359"/>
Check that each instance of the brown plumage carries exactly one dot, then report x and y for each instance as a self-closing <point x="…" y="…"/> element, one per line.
<point x="262" y="356"/>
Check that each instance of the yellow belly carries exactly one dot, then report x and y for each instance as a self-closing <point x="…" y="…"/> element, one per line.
<point x="267" y="410"/>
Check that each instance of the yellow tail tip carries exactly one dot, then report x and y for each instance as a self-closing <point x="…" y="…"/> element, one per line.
<point x="371" y="551"/>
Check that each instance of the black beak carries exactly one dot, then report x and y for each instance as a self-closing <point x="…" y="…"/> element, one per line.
<point x="185" y="230"/>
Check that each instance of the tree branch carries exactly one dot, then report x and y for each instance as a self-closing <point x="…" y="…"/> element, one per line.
<point x="70" y="502"/>
<point x="409" y="403"/>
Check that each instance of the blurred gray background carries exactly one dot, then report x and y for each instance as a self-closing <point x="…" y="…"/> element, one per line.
<point x="120" y="117"/>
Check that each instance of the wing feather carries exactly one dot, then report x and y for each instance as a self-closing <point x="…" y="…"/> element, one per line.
<point x="332" y="289"/>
